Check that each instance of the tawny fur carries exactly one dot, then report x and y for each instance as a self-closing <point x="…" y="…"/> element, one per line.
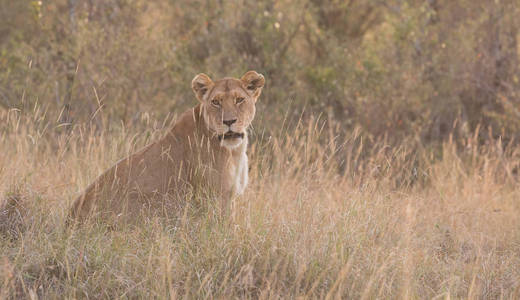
<point x="192" y="155"/>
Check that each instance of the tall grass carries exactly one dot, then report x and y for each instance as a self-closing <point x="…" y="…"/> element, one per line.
<point x="324" y="216"/>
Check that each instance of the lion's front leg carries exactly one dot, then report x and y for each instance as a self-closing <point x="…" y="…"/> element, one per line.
<point x="233" y="181"/>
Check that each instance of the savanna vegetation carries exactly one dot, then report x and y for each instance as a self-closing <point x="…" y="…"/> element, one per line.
<point x="384" y="156"/>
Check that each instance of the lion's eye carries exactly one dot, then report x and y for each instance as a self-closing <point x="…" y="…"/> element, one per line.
<point x="215" y="102"/>
<point x="239" y="100"/>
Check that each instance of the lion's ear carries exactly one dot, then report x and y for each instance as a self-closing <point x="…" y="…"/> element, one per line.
<point x="201" y="84"/>
<point x="253" y="82"/>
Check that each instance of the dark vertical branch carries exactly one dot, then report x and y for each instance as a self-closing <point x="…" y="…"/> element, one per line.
<point x="70" y="66"/>
<point x="72" y="14"/>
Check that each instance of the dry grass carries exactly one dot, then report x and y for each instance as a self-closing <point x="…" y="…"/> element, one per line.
<point x="323" y="217"/>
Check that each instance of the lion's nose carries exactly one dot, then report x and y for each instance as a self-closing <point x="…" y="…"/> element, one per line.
<point x="229" y="122"/>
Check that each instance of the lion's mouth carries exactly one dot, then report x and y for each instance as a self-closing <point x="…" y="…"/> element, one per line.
<point x="231" y="135"/>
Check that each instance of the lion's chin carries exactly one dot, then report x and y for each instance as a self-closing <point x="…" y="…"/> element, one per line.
<point x="231" y="142"/>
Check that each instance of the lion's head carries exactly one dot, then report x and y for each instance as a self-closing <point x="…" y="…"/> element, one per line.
<point x="228" y="105"/>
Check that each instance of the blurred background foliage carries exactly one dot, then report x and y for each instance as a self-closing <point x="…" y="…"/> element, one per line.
<point x="396" y="70"/>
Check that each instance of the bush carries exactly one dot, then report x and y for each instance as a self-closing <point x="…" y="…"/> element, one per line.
<point x="413" y="68"/>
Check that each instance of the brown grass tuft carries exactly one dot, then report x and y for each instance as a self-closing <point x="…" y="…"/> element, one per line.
<point x="13" y="215"/>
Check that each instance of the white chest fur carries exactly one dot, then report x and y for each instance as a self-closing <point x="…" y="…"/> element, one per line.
<point x="241" y="175"/>
<point x="238" y="169"/>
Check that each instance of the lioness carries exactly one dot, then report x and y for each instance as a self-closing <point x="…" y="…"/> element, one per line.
<point x="206" y="147"/>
